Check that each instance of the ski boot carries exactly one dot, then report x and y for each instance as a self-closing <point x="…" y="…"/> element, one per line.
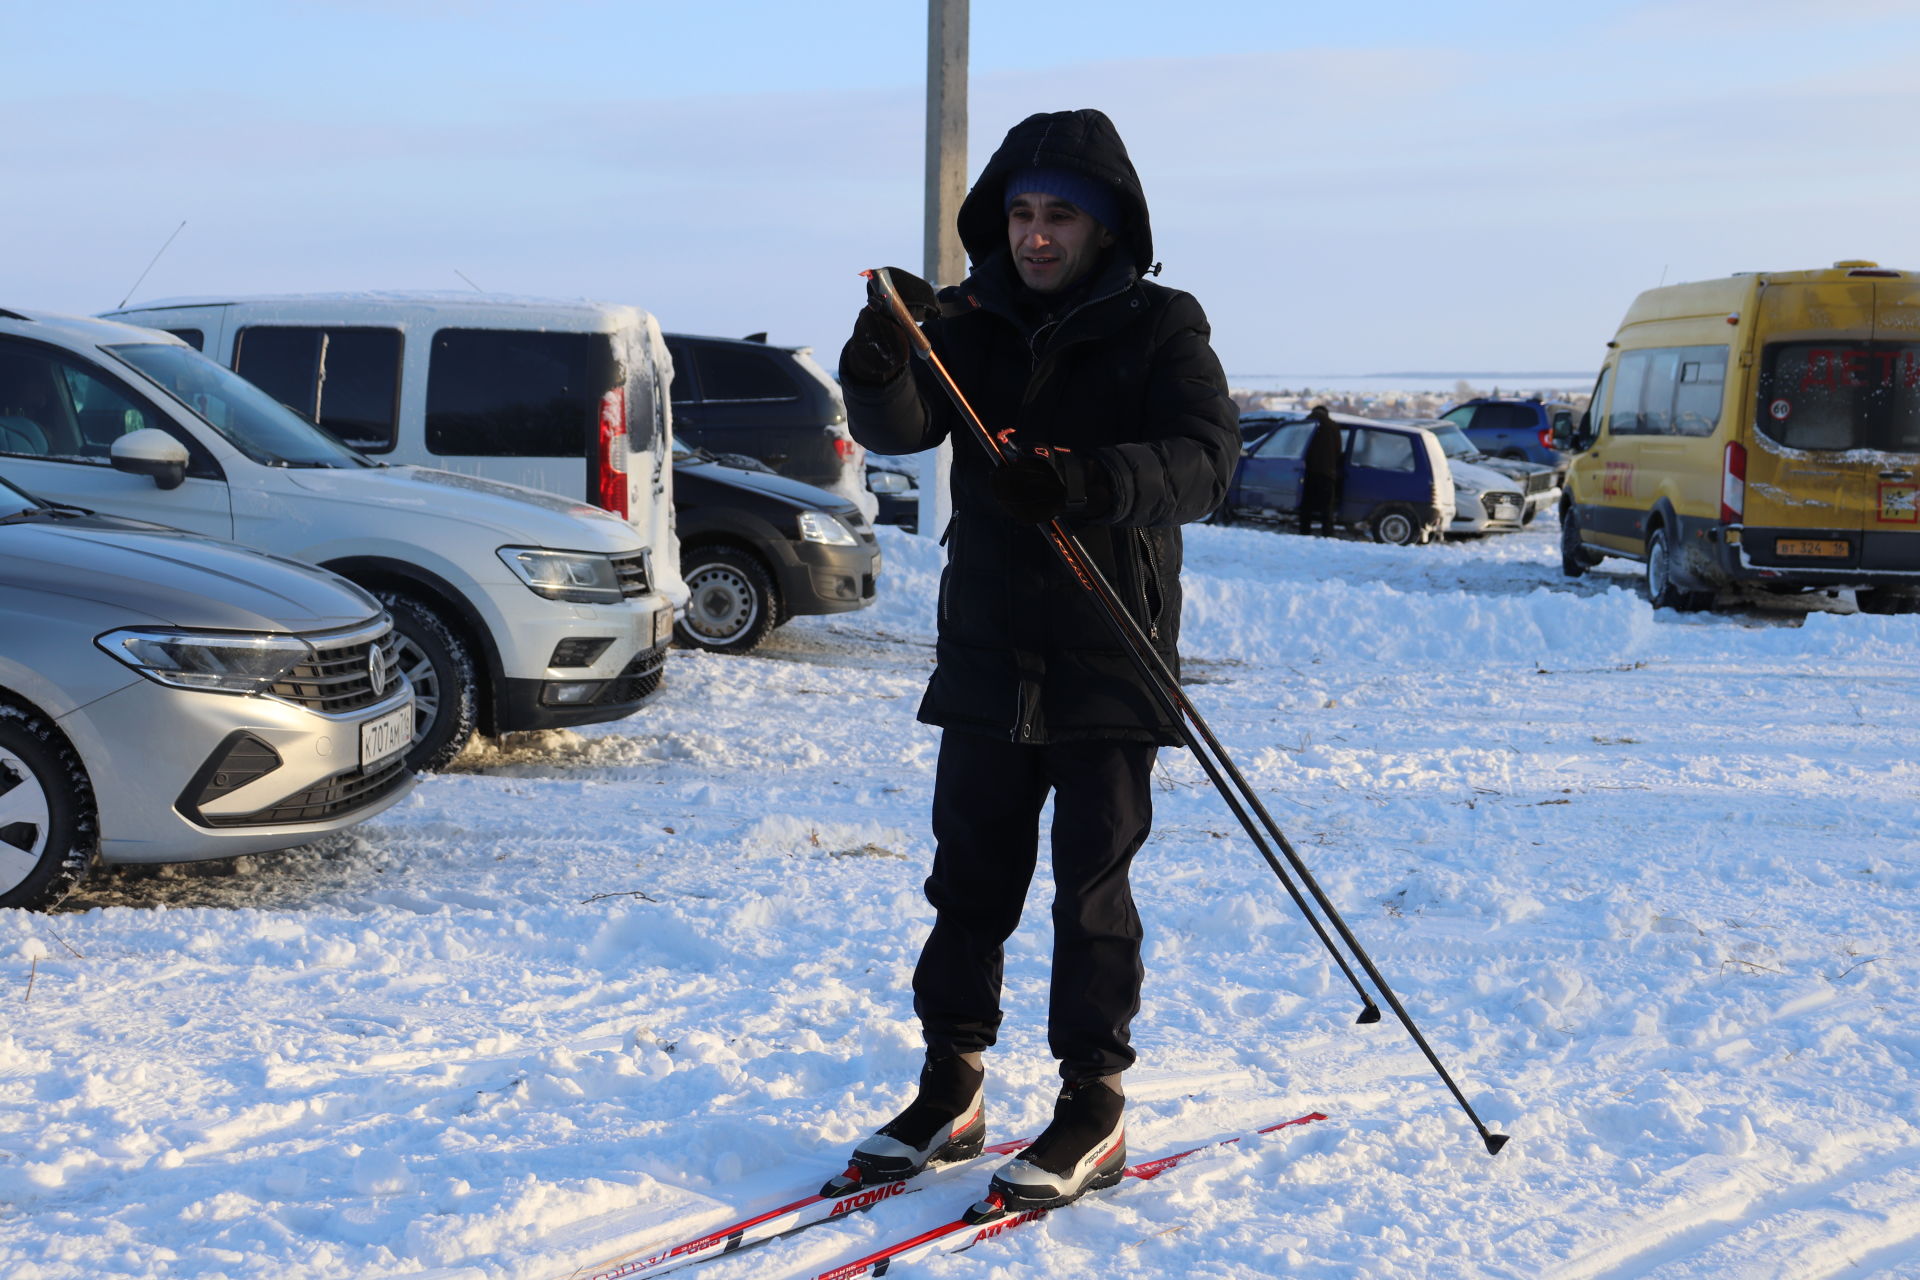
<point x="945" y="1122"/>
<point x="1084" y="1149"/>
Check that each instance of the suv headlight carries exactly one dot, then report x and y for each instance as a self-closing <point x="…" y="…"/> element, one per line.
<point x="579" y="577"/>
<point x="887" y="482"/>
<point x="818" y="526"/>
<point x="214" y="661"/>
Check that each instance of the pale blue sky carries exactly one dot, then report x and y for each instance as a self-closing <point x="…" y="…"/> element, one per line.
<point x="1382" y="187"/>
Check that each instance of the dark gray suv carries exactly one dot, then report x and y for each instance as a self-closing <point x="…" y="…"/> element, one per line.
<point x="744" y="396"/>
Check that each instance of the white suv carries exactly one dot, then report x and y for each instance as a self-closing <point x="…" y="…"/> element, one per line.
<point x="516" y="609"/>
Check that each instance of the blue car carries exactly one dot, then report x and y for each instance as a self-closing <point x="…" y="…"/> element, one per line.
<point x="1395" y="481"/>
<point x="1503" y="428"/>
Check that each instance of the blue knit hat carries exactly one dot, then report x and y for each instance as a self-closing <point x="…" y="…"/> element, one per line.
<point x="1090" y="194"/>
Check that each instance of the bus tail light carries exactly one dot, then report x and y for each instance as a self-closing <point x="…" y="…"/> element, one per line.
<point x="1733" y="484"/>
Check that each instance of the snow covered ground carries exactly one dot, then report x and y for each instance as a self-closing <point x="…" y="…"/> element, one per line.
<point x="1647" y="882"/>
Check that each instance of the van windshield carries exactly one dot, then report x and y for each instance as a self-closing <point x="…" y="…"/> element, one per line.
<point x="244" y="415"/>
<point x="1838" y="395"/>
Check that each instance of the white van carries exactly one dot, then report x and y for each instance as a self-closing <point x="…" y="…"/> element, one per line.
<point x="515" y="609"/>
<point x="550" y="394"/>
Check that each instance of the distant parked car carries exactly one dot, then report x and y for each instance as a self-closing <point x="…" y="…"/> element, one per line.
<point x="898" y="489"/>
<point x="1396" y="484"/>
<point x="773" y="403"/>
<point x="758" y="549"/>
<point x="1525" y="429"/>
<point x="167" y="698"/>
<point x="1539" y="484"/>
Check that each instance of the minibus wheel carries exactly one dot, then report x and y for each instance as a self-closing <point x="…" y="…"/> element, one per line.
<point x="1662" y="591"/>
<point x="47" y="834"/>
<point x="1886" y="600"/>
<point x="1575" y="557"/>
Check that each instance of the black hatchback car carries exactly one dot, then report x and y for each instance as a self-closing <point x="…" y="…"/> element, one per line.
<point x="745" y="396"/>
<point x="757" y="549"/>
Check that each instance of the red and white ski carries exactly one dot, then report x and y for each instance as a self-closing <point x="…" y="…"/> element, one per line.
<point x="841" y="1196"/>
<point x="987" y="1218"/>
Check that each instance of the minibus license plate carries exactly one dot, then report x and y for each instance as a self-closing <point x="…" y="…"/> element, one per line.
<point x="1810" y="547"/>
<point x="386" y="737"/>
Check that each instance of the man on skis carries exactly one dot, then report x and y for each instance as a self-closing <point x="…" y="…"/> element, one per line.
<point x="1122" y="427"/>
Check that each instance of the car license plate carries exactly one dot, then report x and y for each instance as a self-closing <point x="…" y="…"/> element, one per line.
<point x="1810" y="547"/>
<point x="386" y="737"/>
<point x="1506" y="511"/>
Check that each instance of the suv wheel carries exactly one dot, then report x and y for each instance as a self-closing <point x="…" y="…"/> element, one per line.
<point x="1395" y="526"/>
<point x="734" y="602"/>
<point x="47" y="836"/>
<point x="1662" y="591"/>
<point x="435" y="660"/>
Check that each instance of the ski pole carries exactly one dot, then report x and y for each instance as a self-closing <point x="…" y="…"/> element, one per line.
<point x="1192" y="726"/>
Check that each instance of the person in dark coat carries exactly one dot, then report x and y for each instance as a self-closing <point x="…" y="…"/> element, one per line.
<point x="1320" y="484"/>
<point x="1123" y="428"/>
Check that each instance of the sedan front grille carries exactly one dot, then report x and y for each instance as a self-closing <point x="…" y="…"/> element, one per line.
<point x="345" y="673"/>
<point x="1494" y="501"/>
<point x="1539" y="482"/>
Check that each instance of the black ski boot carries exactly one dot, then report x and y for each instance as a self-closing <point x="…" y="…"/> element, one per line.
<point x="946" y="1121"/>
<point x="1084" y="1149"/>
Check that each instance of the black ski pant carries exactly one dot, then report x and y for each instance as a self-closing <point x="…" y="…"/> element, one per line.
<point x="1319" y="496"/>
<point x="987" y="797"/>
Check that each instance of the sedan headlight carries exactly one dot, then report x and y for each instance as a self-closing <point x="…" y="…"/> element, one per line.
<point x="579" y="577"/>
<point x="215" y="661"/>
<point x="818" y="526"/>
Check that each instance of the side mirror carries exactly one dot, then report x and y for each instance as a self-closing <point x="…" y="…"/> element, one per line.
<point x="151" y="452"/>
<point x="1582" y="438"/>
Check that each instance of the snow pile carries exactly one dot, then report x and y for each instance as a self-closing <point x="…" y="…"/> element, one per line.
<point x="1646" y="881"/>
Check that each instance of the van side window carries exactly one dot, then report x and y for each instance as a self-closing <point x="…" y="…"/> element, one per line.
<point x="1700" y="390"/>
<point x="1595" y="414"/>
<point x="1625" y="418"/>
<point x="516" y="393"/>
<point x="1384" y="451"/>
<point x="1656" y="397"/>
<point x="345" y="379"/>
<point x="731" y="373"/>
<point x="1289" y="441"/>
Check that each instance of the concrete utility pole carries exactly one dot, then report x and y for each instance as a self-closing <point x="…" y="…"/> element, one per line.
<point x="945" y="260"/>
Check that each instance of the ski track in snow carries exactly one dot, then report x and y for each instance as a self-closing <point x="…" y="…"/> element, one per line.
<point x="1646" y="881"/>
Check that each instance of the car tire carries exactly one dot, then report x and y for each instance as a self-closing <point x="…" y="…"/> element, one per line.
<point x="47" y="834"/>
<point x="1575" y="556"/>
<point x="734" y="604"/>
<point x="445" y="691"/>
<point x="1396" y="526"/>
<point x="1662" y="591"/>
<point x="1886" y="600"/>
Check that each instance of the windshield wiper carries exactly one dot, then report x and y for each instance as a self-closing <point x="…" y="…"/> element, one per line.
<point x="52" y="511"/>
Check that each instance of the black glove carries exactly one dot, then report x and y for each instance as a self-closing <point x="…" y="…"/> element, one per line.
<point x="1038" y="485"/>
<point x="877" y="351"/>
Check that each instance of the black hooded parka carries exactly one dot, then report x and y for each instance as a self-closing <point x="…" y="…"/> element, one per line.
<point x="1115" y="369"/>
